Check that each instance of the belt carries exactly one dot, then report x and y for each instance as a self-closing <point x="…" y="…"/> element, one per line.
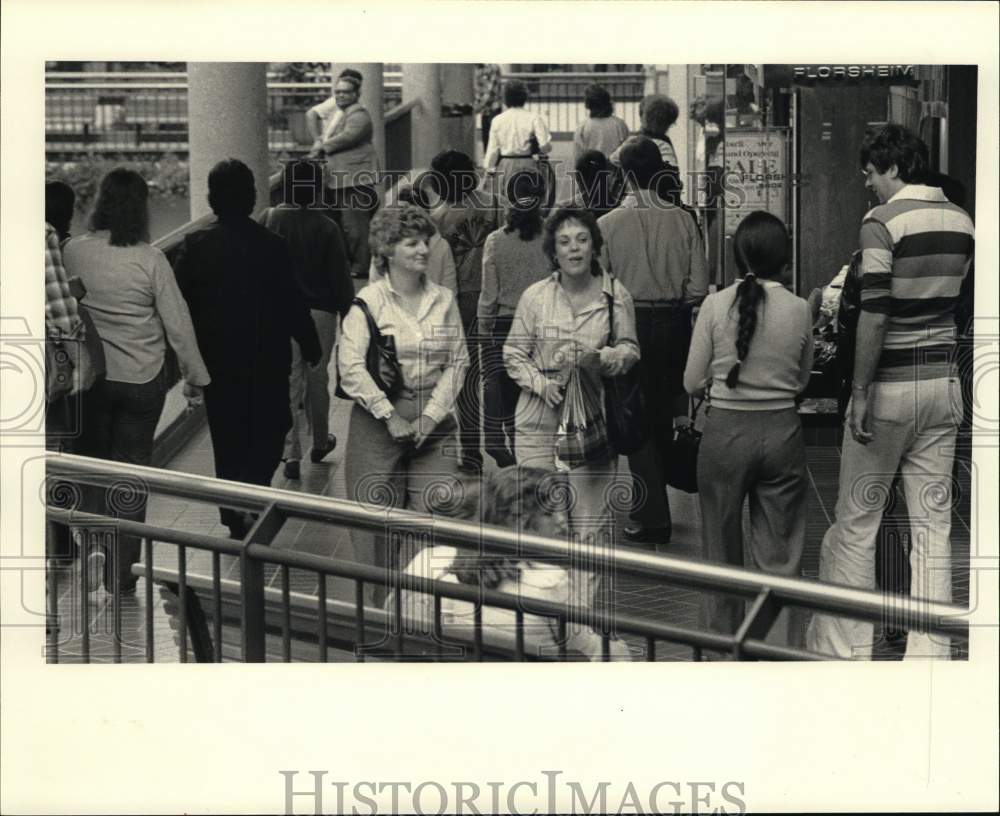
<point x="660" y="304"/>
<point x="515" y="156"/>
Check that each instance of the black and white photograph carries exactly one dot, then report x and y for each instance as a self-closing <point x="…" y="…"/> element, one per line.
<point x="382" y="374"/>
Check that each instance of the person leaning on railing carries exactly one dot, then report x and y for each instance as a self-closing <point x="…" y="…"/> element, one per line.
<point x="753" y="348"/>
<point x="342" y="130"/>
<point x="396" y="447"/>
<point x="136" y="306"/>
<point x="530" y="501"/>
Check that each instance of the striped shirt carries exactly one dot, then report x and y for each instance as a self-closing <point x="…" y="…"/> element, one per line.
<point x="916" y="250"/>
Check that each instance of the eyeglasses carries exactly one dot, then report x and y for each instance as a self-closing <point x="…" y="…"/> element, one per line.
<point x="866" y="173"/>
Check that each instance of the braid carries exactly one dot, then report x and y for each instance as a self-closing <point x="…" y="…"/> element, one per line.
<point x="749" y="295"/>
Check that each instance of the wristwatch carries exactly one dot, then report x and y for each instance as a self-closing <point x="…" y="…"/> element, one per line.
<point x="388" y="416"/>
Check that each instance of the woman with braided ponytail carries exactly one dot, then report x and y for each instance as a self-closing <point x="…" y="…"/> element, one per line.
<point x="752" y="348"/>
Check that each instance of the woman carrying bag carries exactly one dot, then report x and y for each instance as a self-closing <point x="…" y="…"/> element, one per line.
<point x="753" y="347"/>
<point x="403" y="421"/>
<point x="562" y="337"/>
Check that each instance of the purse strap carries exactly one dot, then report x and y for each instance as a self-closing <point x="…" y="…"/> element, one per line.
<point x="373" y="328"/>
<point x="611" y="312"/>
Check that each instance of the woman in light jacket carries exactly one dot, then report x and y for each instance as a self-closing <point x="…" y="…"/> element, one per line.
<point x="753" y="348"/>
<point x="562" y="323"/>
<point x="133" y="298"/>
<point x="397" y="447"/>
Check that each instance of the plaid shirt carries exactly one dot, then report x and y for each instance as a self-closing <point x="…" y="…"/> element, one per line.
<point x="488" y="88"/>
<point x="62" y="316"/>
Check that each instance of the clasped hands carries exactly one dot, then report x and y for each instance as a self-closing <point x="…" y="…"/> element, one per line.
<point x="416" y="432"/>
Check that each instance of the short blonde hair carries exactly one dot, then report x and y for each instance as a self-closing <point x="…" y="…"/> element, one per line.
<point x="391" y="225"/>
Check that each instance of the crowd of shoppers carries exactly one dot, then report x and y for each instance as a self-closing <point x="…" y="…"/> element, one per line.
<point x="473" y="298"/>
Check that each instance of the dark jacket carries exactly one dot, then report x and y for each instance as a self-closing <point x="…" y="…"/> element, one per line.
<point x="319" y="257"/>
<point x="238" y="280"/>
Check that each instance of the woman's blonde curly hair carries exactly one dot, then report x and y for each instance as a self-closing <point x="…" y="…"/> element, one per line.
<point x="391" y="225"/>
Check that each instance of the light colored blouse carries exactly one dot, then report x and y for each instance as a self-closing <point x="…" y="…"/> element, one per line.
<point x="430" y="347"/>
<point x="133" y="298"/>
<point x="779" y="361"/>
<point x="544" y="582"/>
<point x="604" y="133"/>
<point x="547" y="333"/>
<point x="510" y="135"/>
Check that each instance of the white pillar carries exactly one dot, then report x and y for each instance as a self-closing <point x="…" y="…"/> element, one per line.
<point x="372" y="97"/>
<point x="227" y="118"/>
<point x="676" y="84"/>
<point x="422" y="80"/>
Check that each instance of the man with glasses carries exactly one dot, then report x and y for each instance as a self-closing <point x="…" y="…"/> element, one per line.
<point x="342" y="132"/>
<point x="906" y="400"/>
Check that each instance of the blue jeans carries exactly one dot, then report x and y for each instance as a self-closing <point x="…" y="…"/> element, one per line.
<point x="119" y="421"/>
<point x="914" y="426"/>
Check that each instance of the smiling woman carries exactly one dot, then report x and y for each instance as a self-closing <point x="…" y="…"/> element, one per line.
<point x="396" y="445"/>
<point x="562" y="331"/>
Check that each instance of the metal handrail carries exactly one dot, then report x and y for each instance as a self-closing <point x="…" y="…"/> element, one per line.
<point x="929" y="616"/>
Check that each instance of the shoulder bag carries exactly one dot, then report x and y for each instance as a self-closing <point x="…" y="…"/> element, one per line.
<point x="380" y="359"/>
<point x="681" y="456"/>
<point x="623" y="403"/>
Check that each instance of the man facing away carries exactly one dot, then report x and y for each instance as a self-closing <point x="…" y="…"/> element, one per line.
<point x="906" y="401"/>
<point x="654" y="249"/>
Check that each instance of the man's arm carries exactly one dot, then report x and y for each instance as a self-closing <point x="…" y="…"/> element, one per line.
<point x="356" y="130"/>
<point x="876" y="297"/>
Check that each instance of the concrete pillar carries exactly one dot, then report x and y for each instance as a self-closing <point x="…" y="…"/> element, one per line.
<point x="676" y="84"/>
<point x="227" y="118"/>
<point x="422" y="80"/>
<point x="372" y="97"/>
<point x="458" y="87"/>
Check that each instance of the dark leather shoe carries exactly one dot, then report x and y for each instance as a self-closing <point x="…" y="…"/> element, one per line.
<point x="292" y="470"/>
<point x="317" y="455"/>
<point x="647" y="535"/>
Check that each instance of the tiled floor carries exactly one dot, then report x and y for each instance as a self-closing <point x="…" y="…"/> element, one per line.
<point x="628" y="595"/>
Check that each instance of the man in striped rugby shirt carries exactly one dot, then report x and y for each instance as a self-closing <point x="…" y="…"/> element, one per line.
<point x="906" y="402"/>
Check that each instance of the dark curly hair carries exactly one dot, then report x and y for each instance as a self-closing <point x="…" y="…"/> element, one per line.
<point x="659" y="112"/>
<point x="452" y="175"/>
<point x="122" y="208"/>
<point x="597" y="101"/>
<point x="526" y="191"/>
<point x="515" y="94"/>
<point x="895" y="145"/>
<point x="559" y="217"/>
<point x="760" y="247"/>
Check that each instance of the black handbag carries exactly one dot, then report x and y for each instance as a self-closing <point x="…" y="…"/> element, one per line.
<point x="623" y="403"/>
<point x="380" y="359"/>
<point x="681" y="457"/>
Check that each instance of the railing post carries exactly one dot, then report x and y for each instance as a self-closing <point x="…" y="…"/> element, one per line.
<point x="758" y="621"/>
<point x="252" y="584"/>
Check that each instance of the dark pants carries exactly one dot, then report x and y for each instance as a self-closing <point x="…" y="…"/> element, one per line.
<point x="470" y="424"/>
<point x="119" y="421"/>
<point x="353" y="208"/>
<point x="500" y="396"/>
<point x="248" y="423"/>
<point x="664" y="335"/>
<point x="62" y="435"/>
<point x="487" y="119"/>
<point x="760" y="455"/>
